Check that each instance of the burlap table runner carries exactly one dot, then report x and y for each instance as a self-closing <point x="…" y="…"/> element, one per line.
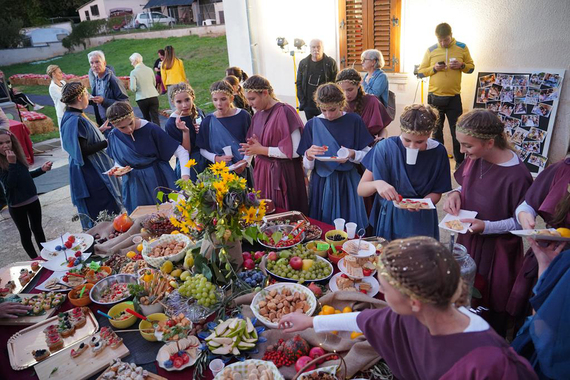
<point x="357" y="353"/>
<point x="122" y="243"/>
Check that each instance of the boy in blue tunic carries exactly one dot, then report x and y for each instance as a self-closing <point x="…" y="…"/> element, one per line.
<point x="91" y="190"/>
<point x="391" y="175"/>
<point x="147" y="149"/>
<point x="333" y="185"/>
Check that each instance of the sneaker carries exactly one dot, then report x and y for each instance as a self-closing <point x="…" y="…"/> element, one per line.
<point x="37" y="107"/>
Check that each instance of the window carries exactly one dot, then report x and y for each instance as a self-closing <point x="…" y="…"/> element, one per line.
<point x="370" y="24"/>
<point x="143" y="16"/>
<point x="87" y="16"/>
<point x="95" y="10"/>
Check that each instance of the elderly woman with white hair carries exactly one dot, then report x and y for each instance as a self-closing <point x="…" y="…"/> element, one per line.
<point x="55" y="87"/>
<point x="375" y="81"/>
<point x="106" y="88"/>
<point x="143" y="84"/>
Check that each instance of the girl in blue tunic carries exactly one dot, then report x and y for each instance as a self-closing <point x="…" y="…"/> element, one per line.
<point x="391" y="177"/>
<point x="184" y="125"/>
<point x="147" y="149"/>
<point x="227" y="126"/>
<point x="333" y="185"/>
<point x="91" y="190"/>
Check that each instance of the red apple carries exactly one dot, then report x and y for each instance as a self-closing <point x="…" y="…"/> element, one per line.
<point x="246" y="256"/>
<point x="317" y="352"/>
<point x="249" y="264"/>
<point x="302" y="361"/>
<point x="259" y="255"/>
<point x="296" y="263"/>
<point x="272" y="256"/>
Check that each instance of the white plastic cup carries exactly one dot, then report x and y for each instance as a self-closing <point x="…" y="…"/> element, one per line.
<point x="216" y="366"/>
<point x="452" y="59"/>
<point x="228" y="150"/>
<point x="339" y="224"/>
<point x="342" y="153"/>
<point x="411" y="156"/>
<point x="351" y="230"/>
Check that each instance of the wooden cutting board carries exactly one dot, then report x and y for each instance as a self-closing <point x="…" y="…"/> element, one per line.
<point x="82" y="367"/>
<point x="27" y="319"/>
<point x="149" y="377"/>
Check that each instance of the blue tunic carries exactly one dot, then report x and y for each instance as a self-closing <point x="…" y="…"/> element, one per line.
<point x="333" y="186"/>
<point x="176" y="134"/>
<point x="431" y="174"/>
<point x="91" y="190"/>
<point x="149" y="155"/>
<point x="217" y="133"/>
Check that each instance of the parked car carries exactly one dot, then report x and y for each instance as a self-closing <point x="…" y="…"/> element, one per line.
<point x="147" y="19"/>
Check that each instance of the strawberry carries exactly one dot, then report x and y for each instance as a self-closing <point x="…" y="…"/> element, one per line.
<point x="78" y="254"/>
<point x="65" y="279"/>
<point x="366" y="271"/>
<point x="68" y="244"/>
<point x="71" y="238"/>
<point x="185" y="358"/>
<point x="178" y="362"/>
<point x="400" y="198"/>
<point x="363" y="291"/>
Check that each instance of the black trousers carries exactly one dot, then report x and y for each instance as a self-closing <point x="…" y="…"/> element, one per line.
<point x="28" y="219"/>
<point x="311" y="113"/>
<point x="453" y="109"/>
<point x="149" y="109"/>
<point x="23" y="100"/>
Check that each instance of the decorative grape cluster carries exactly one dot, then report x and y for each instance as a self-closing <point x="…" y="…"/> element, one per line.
<point x="252" y="277"/>
<point x="199" y="288"/>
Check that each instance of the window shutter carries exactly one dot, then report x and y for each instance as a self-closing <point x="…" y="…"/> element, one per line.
<point x="369" y="24"/>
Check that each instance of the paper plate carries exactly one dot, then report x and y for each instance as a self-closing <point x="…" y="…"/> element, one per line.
<point x="370" y="280"/>
<point x="164" y="355"/>
<point x="342" y="268"/>
<point x="414" y="200"/>
<point x="536" y="235"/>
<point x="463" y="214"/>
<point x="369" y="251"/>
<point x="329" y="158"/>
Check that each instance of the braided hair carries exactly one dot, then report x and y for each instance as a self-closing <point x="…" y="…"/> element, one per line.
<point x="353" y="77"/>
<point x="484" y="125"/>
<point x="234" y="82"/>
<point x="258" y="83"/>
<point x="330" y="93"/>
<point x="418" y="119"/>
<point x="184" y="87"/>
<point x="119" y="111"/>
<point x="421" y="268"/>
<point x="71" y="91"/>
<point x="237" y="72"/>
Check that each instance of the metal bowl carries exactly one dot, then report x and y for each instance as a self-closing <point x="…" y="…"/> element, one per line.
<point x="286" y="229"/>
<point x="96" y="291"/>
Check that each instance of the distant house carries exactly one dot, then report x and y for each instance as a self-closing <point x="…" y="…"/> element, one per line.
<point x="102" y="9"/>
<point x="201" y="12"/>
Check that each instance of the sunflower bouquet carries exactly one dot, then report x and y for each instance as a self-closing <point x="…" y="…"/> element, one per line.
<point x="219" y="203"/>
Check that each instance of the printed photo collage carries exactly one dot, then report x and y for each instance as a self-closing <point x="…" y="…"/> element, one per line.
<point x="522" y="101"/>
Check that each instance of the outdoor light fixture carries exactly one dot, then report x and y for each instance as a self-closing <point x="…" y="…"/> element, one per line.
<point x="282" y="42"/>
<point x="299" y="43"/>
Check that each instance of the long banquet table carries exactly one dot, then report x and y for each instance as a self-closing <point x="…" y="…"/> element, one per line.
<point x="143" y="353"/>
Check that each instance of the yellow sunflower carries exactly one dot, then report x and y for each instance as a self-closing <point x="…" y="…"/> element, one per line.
<point x="191" y="162"/>
<point x="250" y="214"/>
<point x="219" y="167"/>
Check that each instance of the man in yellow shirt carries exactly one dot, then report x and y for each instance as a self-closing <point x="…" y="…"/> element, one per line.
<point x="444" y="63"/>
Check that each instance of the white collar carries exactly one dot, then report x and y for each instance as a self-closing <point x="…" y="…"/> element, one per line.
<point x="143" y="122"/>
<point x="512" y="162"/>
<point x="431" y="143"/>
<point x="323" y="116"/>
<point x="476" y="323"/>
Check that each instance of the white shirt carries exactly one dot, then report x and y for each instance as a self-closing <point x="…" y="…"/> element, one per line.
<point x="55" y="93"/>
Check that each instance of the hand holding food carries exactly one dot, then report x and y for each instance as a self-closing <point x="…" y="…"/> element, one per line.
<point x="452" y="203"/>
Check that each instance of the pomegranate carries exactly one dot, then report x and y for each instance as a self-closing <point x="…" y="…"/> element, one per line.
<point x="317" y="352"/>
<point x="122" y="223"/>
<point x="302" y="361"/>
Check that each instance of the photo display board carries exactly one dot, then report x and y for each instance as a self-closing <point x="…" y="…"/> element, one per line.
<point x="527" y="103"/>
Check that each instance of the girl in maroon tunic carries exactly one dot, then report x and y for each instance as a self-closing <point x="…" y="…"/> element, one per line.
<point x="273" y="139"/>
<point x="372" y="112"/>
<point x="422" y="335"/>
<point x="493" y="182"/>
<point x="548" y="197"/>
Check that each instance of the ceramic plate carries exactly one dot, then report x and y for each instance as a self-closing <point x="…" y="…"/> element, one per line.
<point x="342" y="268"/>
<point x="370" y="279"/>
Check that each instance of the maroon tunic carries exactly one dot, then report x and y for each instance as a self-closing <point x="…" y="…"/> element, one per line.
<point x="495" y="196"/>
<point x="412" y="352"/>
<point x="373" y="113"/>
<point x="547" y="190"/>
<point x="281" y="180"/>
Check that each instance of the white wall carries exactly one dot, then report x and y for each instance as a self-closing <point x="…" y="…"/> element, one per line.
<point x="501" y="35"/>
<point x="102" y="13"/>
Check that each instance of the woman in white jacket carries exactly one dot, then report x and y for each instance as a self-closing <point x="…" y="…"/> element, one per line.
<point x="55" y="87"/>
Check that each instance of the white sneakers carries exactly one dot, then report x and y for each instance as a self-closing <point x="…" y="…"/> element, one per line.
<point x="37" y="107"/>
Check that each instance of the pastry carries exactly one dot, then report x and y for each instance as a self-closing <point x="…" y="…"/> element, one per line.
<point x="65" y="327"/>
<point x="54" y="342"/>
<point x="98" y="347"/>
<point x="35" y="266"/>
<point x="454" y="225"/>
<point x="40" y="354"/>
<point x="80" y="349"/>
<point x="94" y="340"/>
<point x="365" y="286"/>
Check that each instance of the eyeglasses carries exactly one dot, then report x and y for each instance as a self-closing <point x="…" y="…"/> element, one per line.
<point x="367" y="59"/>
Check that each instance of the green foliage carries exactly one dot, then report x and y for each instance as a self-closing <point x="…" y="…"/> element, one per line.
<point x="10" y="36"/>
<point x="81" y="32"/>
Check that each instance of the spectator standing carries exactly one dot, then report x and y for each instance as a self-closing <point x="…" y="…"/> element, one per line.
<point x="55" y="87"/>
<point x="172" y="72"/>
<point x="106" y="88"/>
<point x="157" y="65"/>
<point x="375" y="81"/>
<point x="314" y="70"/>
<point x="444" y="63"/>
<point x="143" y="84"/>
<point x="23" y="202"/>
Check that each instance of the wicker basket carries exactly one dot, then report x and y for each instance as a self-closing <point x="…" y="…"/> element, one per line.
<point x="158" y="261"/>
<point x="333" y="370"/>
<point x="241" y="367"/>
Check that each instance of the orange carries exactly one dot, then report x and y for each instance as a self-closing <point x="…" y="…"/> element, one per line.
<point x="328" y="310"/>
<point x="140" y="247"/>
<point x="347" y="309"/>
<point x="131" y="254"/>
<point x="355" y="335"/>
<point x="337" y="312"/>
<point x="564" y="232"/>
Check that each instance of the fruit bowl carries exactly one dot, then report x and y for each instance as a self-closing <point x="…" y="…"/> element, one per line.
<point x="330" y="235"/>
<point x="163" y="240"/>
<point x="287" y="279"/>
<point x="284" y="242"/>
<point x="279" y="287"/>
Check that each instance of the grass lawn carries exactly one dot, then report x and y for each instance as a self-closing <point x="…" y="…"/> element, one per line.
<point x="205" y="60"/>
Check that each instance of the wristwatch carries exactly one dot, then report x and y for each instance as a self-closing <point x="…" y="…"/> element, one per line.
<point x="463" y="66"/>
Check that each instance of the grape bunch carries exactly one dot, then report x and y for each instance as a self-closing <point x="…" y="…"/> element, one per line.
<point x="252" y="277"/>
<point x="312" y="268"/>
<point x="199" y="288"/>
